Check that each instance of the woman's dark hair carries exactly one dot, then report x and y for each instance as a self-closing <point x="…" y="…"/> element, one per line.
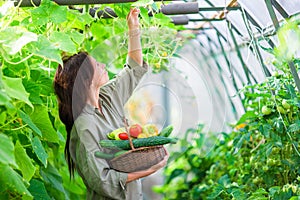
<point x="71" y="84"/>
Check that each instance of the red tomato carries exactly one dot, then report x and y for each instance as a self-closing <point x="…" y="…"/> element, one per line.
<point x="123" y="136"/>
<point x="135" y="130"/>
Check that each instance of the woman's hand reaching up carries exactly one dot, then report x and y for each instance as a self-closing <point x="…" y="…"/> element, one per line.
<point x="133" y="19"/>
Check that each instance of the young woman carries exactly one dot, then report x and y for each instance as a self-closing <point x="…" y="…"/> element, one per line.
<point x="90" y="106"/>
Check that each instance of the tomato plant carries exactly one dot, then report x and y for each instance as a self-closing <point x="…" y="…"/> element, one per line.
<point x="258" y="159"/>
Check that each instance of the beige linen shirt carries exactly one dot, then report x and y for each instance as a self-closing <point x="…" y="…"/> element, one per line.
<point x="91" y="126"/>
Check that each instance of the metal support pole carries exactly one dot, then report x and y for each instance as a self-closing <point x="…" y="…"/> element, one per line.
<point x="180" y="20"/>
<point x="109" y="13"/>
<point x="210" y="75"/>
<point x="295" y="74"/>
<point x="256" y="49"/>
<point x="228" y="65"/>
<point x="180" y="8"/>
<point x="280" y="9"/>
<point x="220" y="76"/>
<point x="246" y="71"/>
<point x="206" y="20"/>
<point x="219" y="8"/>
<point x="272" y="14"/>
<point x="257" y="26"/>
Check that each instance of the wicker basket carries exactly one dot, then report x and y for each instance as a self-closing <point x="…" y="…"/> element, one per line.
<point x="138" y="159"/>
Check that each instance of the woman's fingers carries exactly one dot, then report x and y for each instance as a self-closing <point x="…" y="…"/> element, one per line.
<point x="132" y="18"/>
<point x="134" y="12"/>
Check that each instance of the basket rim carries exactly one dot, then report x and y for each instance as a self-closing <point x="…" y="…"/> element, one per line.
<point x="137" y="149"/>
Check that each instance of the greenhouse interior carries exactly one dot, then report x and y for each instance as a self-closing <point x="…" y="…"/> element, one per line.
<point x="200" y="100"/>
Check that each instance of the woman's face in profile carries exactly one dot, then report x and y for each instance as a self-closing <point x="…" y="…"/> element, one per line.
<point x="100" y="73"/>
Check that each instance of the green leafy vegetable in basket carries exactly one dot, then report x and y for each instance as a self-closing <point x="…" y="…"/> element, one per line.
<point x="140" y="142"/>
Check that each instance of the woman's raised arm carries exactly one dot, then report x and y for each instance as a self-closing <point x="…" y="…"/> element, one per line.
<point x="134" y="34"/>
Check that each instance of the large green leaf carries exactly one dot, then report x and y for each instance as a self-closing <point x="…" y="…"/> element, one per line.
<point x="38" y="190"/>
<point x="76" y="36"/>
<point x="57" y="14"/>
<point x="49" y="11"/>
<point x="39" y="150"/>
<point x="3" y="116"/>
<point x="28" y="121"/>
<point x="53" y="181"/>
<point x="145" y="16"/>
<point x="63" y="42"/>
<point x="122" y="9"/>
<point x="246" y="116"/>
<point x="24" y="162"/>
<point x="11" y="182"/>
<point x="4" y="99"/>
<point x="294" y="127"/>
<point x="15" y="89"/>
<point x="45" y="49"/>
<point x="17" y="44"/>
<point x="6" y="150"/>
<point x="79" y="20"/>
<point x="34" y="90"/>
<point x="41" y="119"/>
<point x="259" y="194"/>
<point x="15" y="38"/>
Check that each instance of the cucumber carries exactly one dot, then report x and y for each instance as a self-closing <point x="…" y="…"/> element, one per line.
<point x="120" y="153"/>
<point x="166" y="131"/>
<point x="100" y="154"/>
<point x="140" y="142"/>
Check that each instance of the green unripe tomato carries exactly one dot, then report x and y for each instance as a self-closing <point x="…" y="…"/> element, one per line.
<point x="266" y="110"/>
<point x="256" y="180"/>
<point x="271" y="162"/>
<point x="247" y="167"/>
<point x="265" y="168"/>
<point x="285" y="104"/>
<point x="210" y="181"/>
<point x="281" y="110"/>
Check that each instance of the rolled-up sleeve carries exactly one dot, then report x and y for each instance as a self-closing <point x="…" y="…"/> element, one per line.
<point x="95" y="171"/>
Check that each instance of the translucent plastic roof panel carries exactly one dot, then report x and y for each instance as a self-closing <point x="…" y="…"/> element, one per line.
<point x="237" y="68"/>
<point x="203" y="39"/>
<point x="223" y="29"/>
<point x="252" y="63"/>
<point x="259" y="12"/>
<point x="225" y="44"/>
<point x="203" y="4"/>
<point x="236" y="18"/>
<point x="218" y="3"/>
<point x="214" y="39"/>
<point x="290" y="6"/>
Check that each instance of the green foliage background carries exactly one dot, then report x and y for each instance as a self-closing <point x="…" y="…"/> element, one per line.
<point x="32" y="42"/>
